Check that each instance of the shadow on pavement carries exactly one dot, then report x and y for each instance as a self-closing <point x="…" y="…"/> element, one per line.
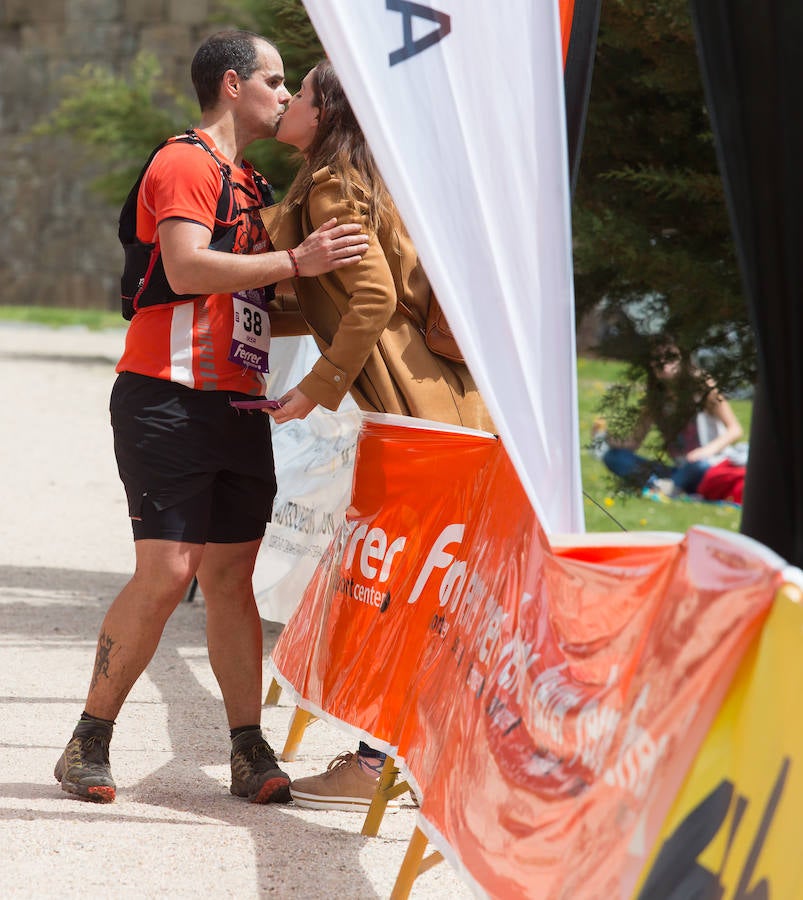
<point x="45" y="612"/>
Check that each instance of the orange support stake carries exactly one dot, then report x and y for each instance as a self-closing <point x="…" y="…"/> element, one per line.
<point x="274" y="692"/>
<point x="386" y="790"/>
<point x="298" y="725"/>
<point x="413" y="865"/>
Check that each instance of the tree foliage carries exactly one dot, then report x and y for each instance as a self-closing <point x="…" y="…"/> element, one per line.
<point x="119" y="119"/>
<point x="653" y="248"/>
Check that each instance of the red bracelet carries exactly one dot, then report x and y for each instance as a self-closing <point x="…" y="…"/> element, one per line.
<point x="294" y="261"/>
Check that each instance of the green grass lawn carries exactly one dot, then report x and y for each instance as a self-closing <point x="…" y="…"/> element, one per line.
<point x="632" y="512"/>
<point x="593" y="376"/>
<point x="94" y="319"/>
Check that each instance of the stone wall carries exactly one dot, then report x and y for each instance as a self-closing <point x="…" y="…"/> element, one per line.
<point x="58" y="241"/>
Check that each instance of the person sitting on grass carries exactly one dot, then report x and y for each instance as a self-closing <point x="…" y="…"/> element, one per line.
<point x="699" y="432"/>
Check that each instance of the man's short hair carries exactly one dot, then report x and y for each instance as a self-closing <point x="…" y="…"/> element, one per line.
<point x="220" y="52"/>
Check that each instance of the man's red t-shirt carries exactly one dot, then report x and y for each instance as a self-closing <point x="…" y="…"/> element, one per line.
<point x="189" y="341"/>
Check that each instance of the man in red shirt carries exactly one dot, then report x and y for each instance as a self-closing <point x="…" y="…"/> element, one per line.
<point x="198" y="473"/>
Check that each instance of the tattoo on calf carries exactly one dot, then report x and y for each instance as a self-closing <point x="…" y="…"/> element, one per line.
<point x="103" y="657"/>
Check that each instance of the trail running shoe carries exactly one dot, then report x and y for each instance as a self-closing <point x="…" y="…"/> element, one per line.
<point x="83" y="769"/>
<point x="255" y="773"/>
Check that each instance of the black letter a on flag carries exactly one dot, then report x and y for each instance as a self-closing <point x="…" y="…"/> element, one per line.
<point x="411" y="47"/>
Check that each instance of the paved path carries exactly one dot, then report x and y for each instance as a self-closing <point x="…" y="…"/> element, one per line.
<point x="174" y="831"/>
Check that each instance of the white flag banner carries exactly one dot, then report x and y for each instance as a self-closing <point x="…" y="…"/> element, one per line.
<point x="462" y="104"/>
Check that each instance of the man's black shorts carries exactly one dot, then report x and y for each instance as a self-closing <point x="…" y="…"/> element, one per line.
<point x="194" y="468"/>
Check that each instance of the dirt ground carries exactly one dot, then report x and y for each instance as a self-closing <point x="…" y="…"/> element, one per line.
<point x="175" y="830"/>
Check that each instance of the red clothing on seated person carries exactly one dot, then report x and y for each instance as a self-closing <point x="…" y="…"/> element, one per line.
<point x="724" y="481"/>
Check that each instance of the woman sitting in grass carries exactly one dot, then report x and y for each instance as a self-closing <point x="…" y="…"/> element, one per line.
<point x="699" y="432"/>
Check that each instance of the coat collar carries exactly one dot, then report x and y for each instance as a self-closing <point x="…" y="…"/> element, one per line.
<point x="283" y="226"/>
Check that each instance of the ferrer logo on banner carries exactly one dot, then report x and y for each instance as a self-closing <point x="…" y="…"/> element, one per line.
<point x="370" y="555"/>
<point x="398" y="560"/>
<point x="392" y="568"/>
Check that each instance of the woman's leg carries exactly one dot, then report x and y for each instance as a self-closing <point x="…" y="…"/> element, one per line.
<point x="634" y="468"/>
<point x="687" y="477"/>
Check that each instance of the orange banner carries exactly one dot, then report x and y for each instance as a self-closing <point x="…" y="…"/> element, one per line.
<point x="566" y="15"/>
<point x="546" y="700"/>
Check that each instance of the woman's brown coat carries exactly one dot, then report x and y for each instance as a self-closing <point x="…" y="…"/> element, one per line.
<point x="368" y="346"/>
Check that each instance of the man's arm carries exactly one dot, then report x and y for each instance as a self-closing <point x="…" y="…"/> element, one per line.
<point x="192" y="268"/>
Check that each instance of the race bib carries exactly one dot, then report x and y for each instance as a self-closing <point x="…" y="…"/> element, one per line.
<point x="250" y="338"/>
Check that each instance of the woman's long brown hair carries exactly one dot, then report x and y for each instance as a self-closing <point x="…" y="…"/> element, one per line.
<point x="340" y="144"/>
<point x="671" y="404"/>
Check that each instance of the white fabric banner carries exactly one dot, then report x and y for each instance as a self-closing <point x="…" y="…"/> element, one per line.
<point x="314" y="463"/>
<point x="462" y="104"/>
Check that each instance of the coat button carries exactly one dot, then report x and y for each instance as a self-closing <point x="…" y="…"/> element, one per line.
<point x="338" y="378"/>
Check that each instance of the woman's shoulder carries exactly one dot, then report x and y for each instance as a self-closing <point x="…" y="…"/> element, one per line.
<point x="347" y="182"/>
<point x="330" y="191"/>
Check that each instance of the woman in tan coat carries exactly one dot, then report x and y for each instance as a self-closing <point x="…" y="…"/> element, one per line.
<point x="366" y="319"/>
<point x="367" y="322"/>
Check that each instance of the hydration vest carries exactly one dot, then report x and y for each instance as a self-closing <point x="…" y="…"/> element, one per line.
<point x="143" y="282"/>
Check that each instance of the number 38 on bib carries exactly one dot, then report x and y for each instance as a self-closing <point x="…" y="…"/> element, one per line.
<point x="250" y="338"/>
